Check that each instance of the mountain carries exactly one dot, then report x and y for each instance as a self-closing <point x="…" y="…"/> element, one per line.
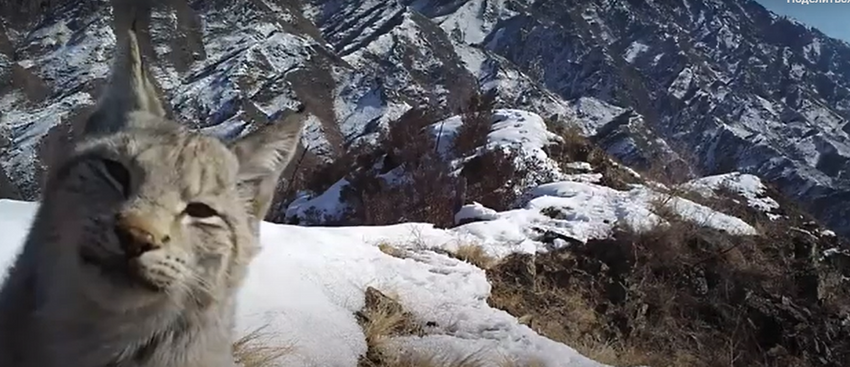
<point x="727" y="84"/>
<point x="694" y="87"/>
<point x="578" y="273"/>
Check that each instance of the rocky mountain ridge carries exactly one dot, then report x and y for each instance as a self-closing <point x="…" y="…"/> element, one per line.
<point x="703" y="86"/>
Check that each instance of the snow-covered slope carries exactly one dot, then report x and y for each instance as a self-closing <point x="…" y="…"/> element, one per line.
<point x="307" y="283"/>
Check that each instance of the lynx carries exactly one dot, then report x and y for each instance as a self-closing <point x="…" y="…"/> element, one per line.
<point x="142" y="238"/>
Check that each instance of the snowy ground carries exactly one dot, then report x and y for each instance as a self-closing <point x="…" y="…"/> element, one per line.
<point x="748" y="186"/>
<point x="308" y="282"/>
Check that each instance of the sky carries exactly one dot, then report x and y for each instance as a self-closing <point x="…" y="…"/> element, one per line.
<point x="830" y="18"/>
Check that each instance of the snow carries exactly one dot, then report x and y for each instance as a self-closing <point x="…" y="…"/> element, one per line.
<point x="634" y="49"/>
<point x="521" y="130"/>
<point x="28" y="126"/>
<point x="592" y="211"/>
<point x="466" y="22"/>
<point x="812" y="51"/>
<point x="588" y="210"/>
<point x="472" y="58"/>
<point x="238" y="65"/>
<point x="324" y="207"/>
<point x="682" y="84"/>
<point x="579" y="166"/>
<point x="797" y="71"/>
<point x="748" y="186"/>
<point x="594" y="113"/>
<point x="359" y="102"/>
<point x="66" y="53"/>
<point x="75" y="50"/>
<point x="474" y="211"/>
<point x="518" y="126"/>
<point x="307" y="282"/>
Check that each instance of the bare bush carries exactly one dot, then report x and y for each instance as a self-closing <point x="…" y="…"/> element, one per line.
<point x="405" y="178"/>
<point x="682" y="295"/>
<point x="477" y="119"/>
<point x="575" y="147"/>
<point x="491" y="179"/>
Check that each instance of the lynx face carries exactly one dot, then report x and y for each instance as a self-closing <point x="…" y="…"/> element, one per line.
<point x="180" y="210"/>
<point x="180" y="217"/>
<point x="162" y="209"/>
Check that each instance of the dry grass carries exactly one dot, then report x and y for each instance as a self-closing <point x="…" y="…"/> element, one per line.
<point x="400" y="359"/>
<point x="510" y="362"/>
<point x="473" y="254"/>
<point x="392" y="250"/>
<point x="680" y="295"/>
<point x="383" y="322"/>
<point x="571" y="319"/>
<point x="383" y="318"/>
<point x="661" y="206"/>
<point x="252" y="351"/>
<point x="573" y="147"/>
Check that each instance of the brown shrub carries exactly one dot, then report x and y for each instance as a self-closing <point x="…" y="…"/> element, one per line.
<point x="405" y="141"/>
<point x="477" y="119"/>
<point x="473" y="254"/>
<point x="424" y="187"/>
<point x="424" y="194"/>
<point x="574" y="147"/>
<point x="491" y="178"/>
<point x="683" y="295"/>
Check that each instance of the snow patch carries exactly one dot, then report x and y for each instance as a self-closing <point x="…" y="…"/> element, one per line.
<point x="748" y="186"/>
<point x="634" y="49"/>
<point x="682" y="84"/>
<point x="594" y="113"/>
<point x="474" y="211"/>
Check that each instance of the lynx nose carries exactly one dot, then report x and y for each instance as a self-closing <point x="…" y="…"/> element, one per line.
<point x="137" y="235"/>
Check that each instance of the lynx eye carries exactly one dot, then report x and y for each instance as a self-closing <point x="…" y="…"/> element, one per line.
<point x="199" y="210"/>
<point x="118" y="173"/>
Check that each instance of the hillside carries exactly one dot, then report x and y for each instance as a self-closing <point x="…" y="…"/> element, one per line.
<point x="741" y="88"/>
<point x="579" y="273"/>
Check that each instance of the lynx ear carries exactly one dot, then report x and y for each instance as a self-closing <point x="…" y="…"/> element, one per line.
<point x="263" y="155"/>
<point x="128" y="89"/>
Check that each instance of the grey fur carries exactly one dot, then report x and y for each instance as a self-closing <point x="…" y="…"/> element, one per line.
<point x="115" y="275"/>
